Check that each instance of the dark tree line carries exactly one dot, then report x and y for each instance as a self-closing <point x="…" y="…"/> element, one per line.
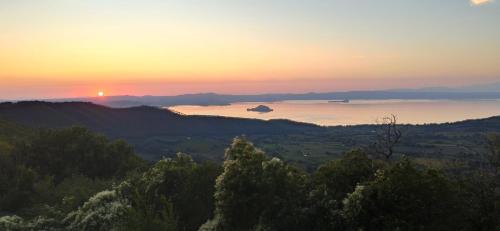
<point x="41" y="168"/>
<point x="250" y="191"/>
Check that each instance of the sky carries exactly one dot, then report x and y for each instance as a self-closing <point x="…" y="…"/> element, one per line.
<point x="73" y="48"/>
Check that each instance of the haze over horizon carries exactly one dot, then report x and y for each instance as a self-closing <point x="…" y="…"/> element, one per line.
<point x="62" y="49"/>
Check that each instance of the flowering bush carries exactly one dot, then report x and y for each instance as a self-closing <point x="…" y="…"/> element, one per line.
<point x="105" y="211"/>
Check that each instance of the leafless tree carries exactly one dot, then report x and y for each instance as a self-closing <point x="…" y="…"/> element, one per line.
<point x="388" y="136"/>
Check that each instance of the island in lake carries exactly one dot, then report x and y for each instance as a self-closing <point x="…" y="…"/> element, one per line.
<point x="339" y="101"/>
<point x="260" y="108"/>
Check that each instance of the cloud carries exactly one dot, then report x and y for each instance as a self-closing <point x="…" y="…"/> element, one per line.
<point x="480" y="2"/>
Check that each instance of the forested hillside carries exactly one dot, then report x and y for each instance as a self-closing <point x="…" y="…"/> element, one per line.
<point x="156" y="133"/>
<point x="74" y="179"/>
<point x="139" y="121"/>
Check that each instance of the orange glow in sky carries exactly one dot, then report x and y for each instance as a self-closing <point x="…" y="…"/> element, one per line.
<point x="59" y="48"/>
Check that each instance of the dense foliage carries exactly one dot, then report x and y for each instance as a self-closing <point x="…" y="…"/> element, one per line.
<point x="73" y="179"/>
<point x="405" y="198"/>
<point x="256" y="192"/>
<point x="60" y="168"/>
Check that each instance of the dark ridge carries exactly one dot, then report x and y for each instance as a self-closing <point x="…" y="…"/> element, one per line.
<point x="140" y="121"/>
<point x="157" y="132"/>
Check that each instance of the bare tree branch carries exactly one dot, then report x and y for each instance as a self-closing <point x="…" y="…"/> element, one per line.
<point x="388" y="136"/>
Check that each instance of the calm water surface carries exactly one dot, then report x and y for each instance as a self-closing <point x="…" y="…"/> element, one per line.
<point x="355" y="112"/>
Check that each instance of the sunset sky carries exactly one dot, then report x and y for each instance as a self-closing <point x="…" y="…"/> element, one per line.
<point x="72" y="48"/>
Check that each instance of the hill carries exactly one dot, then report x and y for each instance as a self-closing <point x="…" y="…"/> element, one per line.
<point x="152" y="130"/>
<point x="157" y="132"/>
<point x="139" y="121"/>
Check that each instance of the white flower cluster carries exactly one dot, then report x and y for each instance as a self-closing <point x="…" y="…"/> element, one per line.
<point x="273" y="163"/>
<point x="102" y="212"/>
<point x="16" y="223"/>
<point x="11" y="223"/>
<point x="352" y="205"/>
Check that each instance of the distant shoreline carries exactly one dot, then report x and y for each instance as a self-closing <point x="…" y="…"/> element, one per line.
<point x="356" y="112"/>
<point x="213" y="99"/>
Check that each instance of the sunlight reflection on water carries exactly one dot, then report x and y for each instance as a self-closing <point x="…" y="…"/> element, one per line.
<point x="355" y="112"/>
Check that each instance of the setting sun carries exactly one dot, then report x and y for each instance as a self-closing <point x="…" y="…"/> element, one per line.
<point x="306" y="115"/>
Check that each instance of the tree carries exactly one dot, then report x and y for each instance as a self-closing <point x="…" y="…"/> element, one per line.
<point x="480" y="191"/>
<point x="17" y="186"/>
<point x="341" y="176"/>
<point x="65" y="152"/>
<point x="106" y="211"/>
<point x="255" y="192"/>
<point x="480" y="201"/>
<point x="404" y="198"/>
<point x="331" y="183"/>
<point x="177" y="186"/>
<point x="60" y="168"/>
<point x="388" y="136"/>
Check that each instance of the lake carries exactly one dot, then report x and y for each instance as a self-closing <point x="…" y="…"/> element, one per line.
<point x="355" y="112"/>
